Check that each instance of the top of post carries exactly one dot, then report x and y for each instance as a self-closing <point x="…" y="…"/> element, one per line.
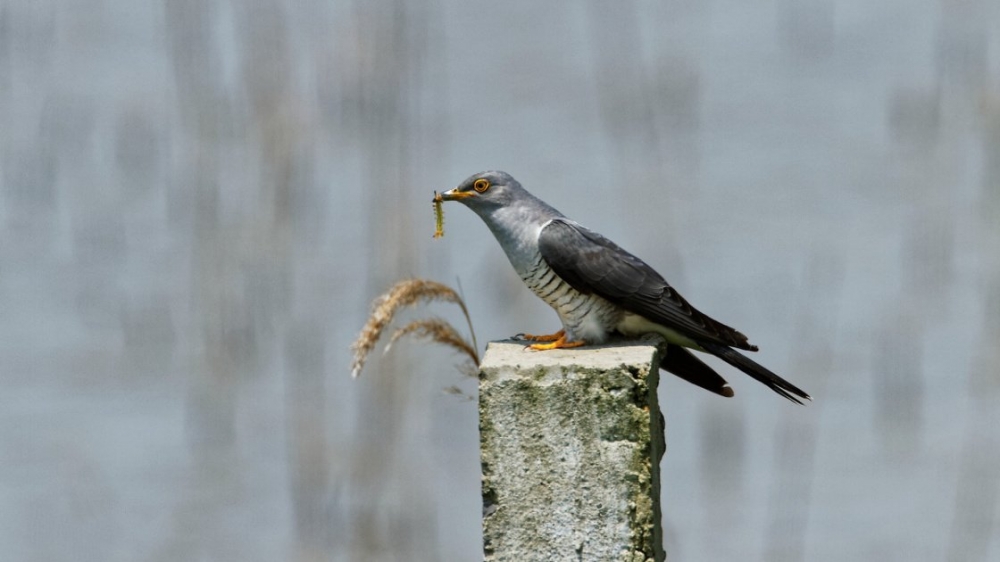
<point x="504" y="355"/>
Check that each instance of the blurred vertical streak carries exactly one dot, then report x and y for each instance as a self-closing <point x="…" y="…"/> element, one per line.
<point x="974" y="519"/>
<point x="391" y="518"/>
<point x="285" y="153"/>
<point x="67" y="125"/>
<point x="963" y="53"/>
<point x="807" y="30"/>
<point x="929" y="255"/>
<point x="138" y="150"/>
<point x="722" y="453"/>
<point x="990" y="107"/>
<point x="28" y="166"/>
<point x="797" y="429"/>
<point x="963" y="42"/>
<point x="899" y="380"/>
<point x="146" y="317"/>
<point x="241" y="243"/>
<point x="210" y="402"/>
<point x="722" y="470"/>
<point x="914" y="118"/>
<point x="676" y="99"/>
<point x="629" y="105"/>
<point x="917" y="121"/>
<point x="305" y="404"/>
<point x="5" y="50"/>
<point x="791" y="492"/>
<point x="29" y="192"/>
<point x="624" y="89"/>
<point x="974" y="524"/>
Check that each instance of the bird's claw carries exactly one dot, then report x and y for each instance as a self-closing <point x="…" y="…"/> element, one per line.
<point x="546" y="338"/>
<point x="557" y="340"/>
<point x="560" y="343"/>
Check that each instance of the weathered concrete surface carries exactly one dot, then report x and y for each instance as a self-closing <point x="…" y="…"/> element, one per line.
<point x="570" y="442"/>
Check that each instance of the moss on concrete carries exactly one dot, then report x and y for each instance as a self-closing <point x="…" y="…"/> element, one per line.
<point x="570" y="443"/>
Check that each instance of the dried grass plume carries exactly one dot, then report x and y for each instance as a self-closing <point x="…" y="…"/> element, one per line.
<point x="408" y="293"/>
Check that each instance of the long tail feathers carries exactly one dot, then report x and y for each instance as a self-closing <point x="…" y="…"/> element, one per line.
<point x="750" y="367"/>
<point x="685" y="365"/>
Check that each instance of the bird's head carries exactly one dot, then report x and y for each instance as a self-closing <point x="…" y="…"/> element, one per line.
<point x="484" y="191"/>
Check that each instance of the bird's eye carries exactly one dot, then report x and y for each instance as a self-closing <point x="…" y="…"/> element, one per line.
<point x="481" y="185"/>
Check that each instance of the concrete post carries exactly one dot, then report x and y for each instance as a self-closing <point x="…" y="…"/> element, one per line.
<point x="571" y="442"/>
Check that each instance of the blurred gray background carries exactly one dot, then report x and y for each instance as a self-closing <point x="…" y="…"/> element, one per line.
<point x="198" y="200"/>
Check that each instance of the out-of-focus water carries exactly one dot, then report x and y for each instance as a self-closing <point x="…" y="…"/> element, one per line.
<point x="199" y="199"/>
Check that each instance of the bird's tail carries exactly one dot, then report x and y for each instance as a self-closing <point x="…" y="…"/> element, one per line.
<point x="685" y="365"/>
<point x="757" y="371"/>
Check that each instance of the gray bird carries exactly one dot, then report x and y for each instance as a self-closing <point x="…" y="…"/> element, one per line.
<point x="599" y="289"/>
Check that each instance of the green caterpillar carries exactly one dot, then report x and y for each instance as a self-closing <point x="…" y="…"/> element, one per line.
<point x="438" y="216"/>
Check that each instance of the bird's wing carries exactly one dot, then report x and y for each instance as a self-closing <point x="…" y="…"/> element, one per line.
<point x="591" y="263"/>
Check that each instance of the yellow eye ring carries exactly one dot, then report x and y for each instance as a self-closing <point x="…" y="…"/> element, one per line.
<point x="481" y="185"/>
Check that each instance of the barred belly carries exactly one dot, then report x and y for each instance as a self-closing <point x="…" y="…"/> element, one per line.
<point x="589" y="318"/>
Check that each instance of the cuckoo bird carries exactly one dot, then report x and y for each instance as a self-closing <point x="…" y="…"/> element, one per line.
<point x="598" y="289"/>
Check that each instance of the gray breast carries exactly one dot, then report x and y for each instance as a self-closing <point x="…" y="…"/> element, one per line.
<point x="584" y="317"/>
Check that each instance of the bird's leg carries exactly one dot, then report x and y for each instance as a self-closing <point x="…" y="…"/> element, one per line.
<point x="559" y="343"/>
<point x="548" y="337"/>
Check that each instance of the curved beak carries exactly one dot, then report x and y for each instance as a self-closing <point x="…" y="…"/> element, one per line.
<point x="453" y="195"/>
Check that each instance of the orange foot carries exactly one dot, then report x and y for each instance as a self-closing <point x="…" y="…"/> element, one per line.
<point x="549" y="337"/>
<point x="559" y="343"/>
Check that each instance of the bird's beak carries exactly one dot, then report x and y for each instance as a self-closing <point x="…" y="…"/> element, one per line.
<point x="453" y="195"/>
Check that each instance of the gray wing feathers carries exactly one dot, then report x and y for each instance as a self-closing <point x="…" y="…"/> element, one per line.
<point x="591" y="263"/>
